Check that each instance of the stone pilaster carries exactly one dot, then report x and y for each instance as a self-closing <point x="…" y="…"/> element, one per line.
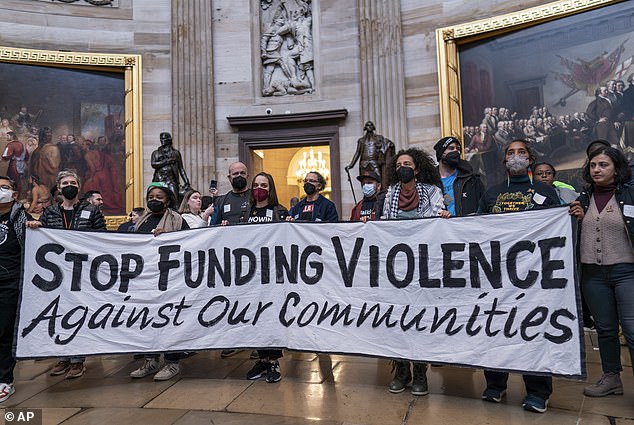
<point x="382" y="68"/>
<point x="192" y="89"/>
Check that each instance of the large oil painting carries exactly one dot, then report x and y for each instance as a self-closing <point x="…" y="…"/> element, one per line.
<point x="558" y="84"/>
<point x="57" y="117"/>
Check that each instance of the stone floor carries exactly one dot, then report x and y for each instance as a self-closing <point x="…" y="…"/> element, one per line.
<point x="315" y="389"/>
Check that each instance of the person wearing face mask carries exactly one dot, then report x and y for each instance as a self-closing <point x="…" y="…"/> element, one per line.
<point x="519" y="192"/>
<point x="231" y="208"/>
<point x="414" y="192"/>
<point x="12" y="220"/>
<point x="265" y="208"/>
<point x="315" y="206"/>
<point x="371" y="206"/>
<point x="161" y="217"/>
<point x="75" y="215"/>
<point x="263" y="203"/>
<point x="461" y="186"/>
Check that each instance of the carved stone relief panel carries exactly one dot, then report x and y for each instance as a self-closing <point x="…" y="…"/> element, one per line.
<point x="286" y="47"/>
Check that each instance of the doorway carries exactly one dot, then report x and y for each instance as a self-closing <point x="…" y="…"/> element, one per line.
<point x="289" y="166"/>
<point x="288" y="145"/>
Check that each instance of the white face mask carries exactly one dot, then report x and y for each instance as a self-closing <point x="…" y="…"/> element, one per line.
<point x="369" y="190"/>
<point x="6" y="195"/>
<point x="517" y="163"/>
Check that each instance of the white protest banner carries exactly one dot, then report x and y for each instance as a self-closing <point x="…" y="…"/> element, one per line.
<point x="494" y="291"/>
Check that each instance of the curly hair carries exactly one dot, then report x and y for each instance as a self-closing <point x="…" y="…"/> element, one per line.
<point x="427" y="171"/>
<point x="622" y="175"/>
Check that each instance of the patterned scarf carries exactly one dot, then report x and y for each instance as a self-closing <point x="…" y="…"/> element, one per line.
<point x="170" y="221"/>
<point x="18" y="218"/>
<point x="429" y="206"/>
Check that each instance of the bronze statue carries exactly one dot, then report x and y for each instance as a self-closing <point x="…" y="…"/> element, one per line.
<point x="373" y="152"/>
<point x="168" y="166"/>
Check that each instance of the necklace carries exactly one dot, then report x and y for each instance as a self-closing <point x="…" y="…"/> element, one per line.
<point x="67" y="224"/>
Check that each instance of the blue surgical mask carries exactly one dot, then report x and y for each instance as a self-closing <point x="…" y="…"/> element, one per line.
<point x="369" y="190"/>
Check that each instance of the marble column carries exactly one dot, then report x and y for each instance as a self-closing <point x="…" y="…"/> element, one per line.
<point x="382" y="68"/>
<point x="193" y="90"/>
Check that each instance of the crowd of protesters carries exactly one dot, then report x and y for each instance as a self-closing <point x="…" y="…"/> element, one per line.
<point x="417" y="187"/>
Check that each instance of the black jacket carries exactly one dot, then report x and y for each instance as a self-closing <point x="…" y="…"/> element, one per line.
<point x="624" y="195"/>
<point x="85" y="217"/>
<point x="467" y="189"/>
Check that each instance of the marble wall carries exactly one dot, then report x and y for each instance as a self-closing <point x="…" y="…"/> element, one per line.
<point x="146" y="27"/>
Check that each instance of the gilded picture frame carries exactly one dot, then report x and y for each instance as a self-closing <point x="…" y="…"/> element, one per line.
<point x="555" y="85"/>
<point x="84" y="102"/>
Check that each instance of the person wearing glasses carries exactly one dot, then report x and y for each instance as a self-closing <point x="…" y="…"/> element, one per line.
<point x="315" y="206"/>
<point x="546" y="173"/>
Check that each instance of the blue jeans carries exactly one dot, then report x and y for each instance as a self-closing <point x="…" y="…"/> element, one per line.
<point x="609" y="292"/>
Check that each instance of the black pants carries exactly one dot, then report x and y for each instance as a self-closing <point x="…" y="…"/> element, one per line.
<point x="541" y="386"/>
<point x="270" y="354"/>
<point x="8" y="311"/>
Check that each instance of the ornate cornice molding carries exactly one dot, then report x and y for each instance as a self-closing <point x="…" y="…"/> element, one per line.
<point x="74" y="58"/>
<point x="527" y="16"/>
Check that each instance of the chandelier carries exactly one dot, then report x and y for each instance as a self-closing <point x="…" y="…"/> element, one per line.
<point x="311" y="162"/>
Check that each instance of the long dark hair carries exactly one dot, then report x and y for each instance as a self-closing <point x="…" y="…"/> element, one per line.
<point x="272" y="199"/>
<point x="427" y="171"/>
<point x="623" y="174"/>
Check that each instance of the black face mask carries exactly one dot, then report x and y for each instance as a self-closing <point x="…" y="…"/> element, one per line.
<point x="405" y="174"/>
<point x="70" y="192"/>
<point x="155" y="205"/>
<point x="451" y="159"/>
<point x="309" y="188"/>
<point x="239" y="183"/>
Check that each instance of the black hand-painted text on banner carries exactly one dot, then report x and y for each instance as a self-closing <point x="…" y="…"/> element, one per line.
<point x="494" y="291"/>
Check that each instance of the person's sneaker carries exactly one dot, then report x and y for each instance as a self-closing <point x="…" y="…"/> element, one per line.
<point x="76" y="370"/>
<point x="168" y="371"/>
<point x="532" y="403"/>
<point x="259" y="368"/>
<point x="6" y="390"/>
<point x="273" y="374"/>
<point x="494" y="396"/>
<point x="228" y="353"/>
<point x="254" y="355"/>
<point x="402" y="376"/>
<point x="610" y="383"/>
<point x="60" y="368"/>
<point x="148" y="367"/>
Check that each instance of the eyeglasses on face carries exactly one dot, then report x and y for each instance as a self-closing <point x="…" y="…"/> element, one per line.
<point x="544" y="173"/>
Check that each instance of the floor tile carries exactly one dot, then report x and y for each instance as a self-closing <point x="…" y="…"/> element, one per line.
<point x="109" y="416"/>
<point x="99" y="392"/>
<point x="355" y="404"/>
<point x="200" y="394"/>
<point x="448" y="410"/>
<point x="197" y="417"/>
